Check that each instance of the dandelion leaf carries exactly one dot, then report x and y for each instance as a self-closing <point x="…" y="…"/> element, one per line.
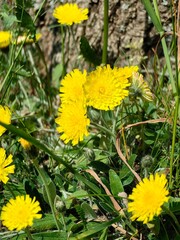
<point x="52" y="189"/>
<point x="174" y="205"/>
<point x="88" y="52"/>
<point x="25" y="20"/>
<point x="8" y="20"/>
<point x="115" y="183"/>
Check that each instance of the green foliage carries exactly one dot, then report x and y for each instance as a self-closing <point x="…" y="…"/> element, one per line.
<point x="8" y="20"/>
<point x="81" y="188"/>
<point x="25" y="19"/>
<point x="115" y="183"/>
<point x="174" y="205"/>
<point x="88" y="52"/>
<point x="52" y="190"/>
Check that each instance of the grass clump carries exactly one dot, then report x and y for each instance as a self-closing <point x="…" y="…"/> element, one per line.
<point x="93" y="153"/>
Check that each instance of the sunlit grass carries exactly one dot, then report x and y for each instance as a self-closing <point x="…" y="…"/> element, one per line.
<point x="98" y="147"/>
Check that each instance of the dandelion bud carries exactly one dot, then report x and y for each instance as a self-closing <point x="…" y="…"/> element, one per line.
<point x="59" y="204"/>
<point x="94" y="115"/>
<point x="147" y="161"/>
<point x="139" y="88"/>
<point x="90" y="155"/>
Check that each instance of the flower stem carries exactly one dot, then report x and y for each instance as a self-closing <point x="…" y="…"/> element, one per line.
<point x="173" y="142"/>
<point x="62" y="51"/>
<point x="47" y="79"/>
<point x="104" y="129"/>
<point x="105" y="34"/>
<point x="28" y="234"/>
<point x="39" y="10"/>
<point x="41" y="174"/>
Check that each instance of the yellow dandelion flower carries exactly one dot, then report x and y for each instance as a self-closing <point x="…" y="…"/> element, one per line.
<point x="25" y="144"/>
<point x="28" y="39"/>
<point x="140" y="88"/>
<point x="20" y="212"/>
<point x="5" y="117"/>
<point x="5" y="39"/>
<point x="72" y="87"/>
<point x="73" y="122"/>
<point x="70" y="13"/>
<point x="128" y="71"/>
<point x="5" y="169"/>
<point x="148" y="197"/>
<point x="105" y="88"/>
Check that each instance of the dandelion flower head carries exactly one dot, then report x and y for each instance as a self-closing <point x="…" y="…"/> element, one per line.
<point x="128" y="71"/>
<point x="148" y="197"/>
<point x="25" y="144"/>
<point x="20" y="212"/>
<point x="71" y="89"/>
<point x="5" y="117"/>
<point x="73" y="122"/>
<point x="70" y="13"/>
<point x="5" y="169"/>
<point x="140" y="88"/>
<point x="5" y="38"/>
<point x="105" y="88"/>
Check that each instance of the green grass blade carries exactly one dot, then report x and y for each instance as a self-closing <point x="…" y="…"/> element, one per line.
<point x="154" y="15"/>
<point x="151" y="13"/>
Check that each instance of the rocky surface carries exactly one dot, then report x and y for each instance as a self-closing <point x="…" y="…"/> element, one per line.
<point x="131" y="33"/>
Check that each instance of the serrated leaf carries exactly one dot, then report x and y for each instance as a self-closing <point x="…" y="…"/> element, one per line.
<point x="80" y="212"/>
<point x="115" y="183"/>
<point x="45" y="223"/>
<point x="17" y="189"/>
<point x="88" y="52"/>
<point x="174" y="205"/>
